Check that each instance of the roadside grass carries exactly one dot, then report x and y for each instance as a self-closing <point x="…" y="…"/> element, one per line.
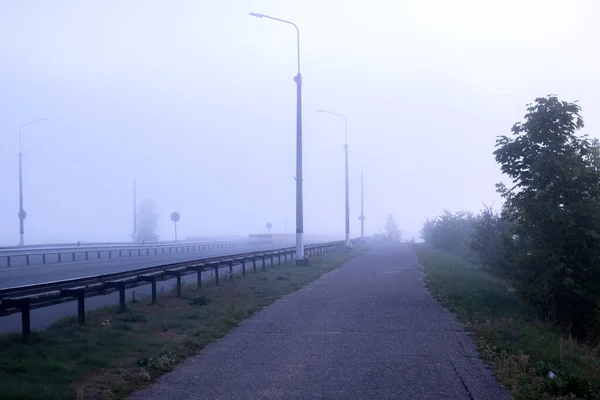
<point x="520" y="349"/>
<point x="115" y="354"/>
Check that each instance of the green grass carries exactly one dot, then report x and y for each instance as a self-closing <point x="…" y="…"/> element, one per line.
<point x="115" y="354"/>
<point x="520" y="349"/>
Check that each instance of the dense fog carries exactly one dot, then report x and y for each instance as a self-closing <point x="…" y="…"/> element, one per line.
<point x="195" y="100"/>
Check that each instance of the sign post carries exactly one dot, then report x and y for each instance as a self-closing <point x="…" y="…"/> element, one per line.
<point x="175" y="217"/>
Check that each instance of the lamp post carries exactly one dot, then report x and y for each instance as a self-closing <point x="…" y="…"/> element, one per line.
<point x="362" y="199"/>
<point x="300" y="259"/>
<point x="362" y="202"/>
<point x="346" y="167"/>
<point x="22" y="213"/>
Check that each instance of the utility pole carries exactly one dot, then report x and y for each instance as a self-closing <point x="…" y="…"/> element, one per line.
<point x="300" y="258"/>
<point x="134" y="210"/>
<point x="22" y="214"/>
<point x="347" y="190"/>
<point x="362" y="204"/>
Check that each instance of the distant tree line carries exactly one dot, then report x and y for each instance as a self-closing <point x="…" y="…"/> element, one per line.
<point x="545" y="241"/>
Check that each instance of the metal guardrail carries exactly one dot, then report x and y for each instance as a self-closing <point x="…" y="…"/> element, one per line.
<point x="33" y="257"/>
<point x="23" y="299"/>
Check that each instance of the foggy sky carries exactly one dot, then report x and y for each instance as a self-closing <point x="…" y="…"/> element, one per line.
<point x="196" y="100"/>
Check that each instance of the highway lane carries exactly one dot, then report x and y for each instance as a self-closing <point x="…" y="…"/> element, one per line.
<point x="15" y="251"/>
<point x="14" y="258"/>
<point x="56" y="246"/>
<point x="41" y="318"/>
<point x="29" y="275"/>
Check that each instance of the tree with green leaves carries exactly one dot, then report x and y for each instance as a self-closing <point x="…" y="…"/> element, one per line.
<point x="147" y="222"/>
<point x="392" y="232"/>
<point x="449" y="231"/>
<point x="493" y="241"/>
<point x="554" y="203"/>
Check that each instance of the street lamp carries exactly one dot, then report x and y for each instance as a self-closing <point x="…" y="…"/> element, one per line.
<point x="22" y="213"/>
<point x="346" y="166"/>
<point x="300" y="259"/>
<point x="362" y="199"/>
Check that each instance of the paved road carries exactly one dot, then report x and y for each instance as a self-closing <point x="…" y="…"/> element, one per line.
<point x="28" y="275"/>
<point x="41" y="318"/>
<point x="368" y="330"/>
<point x="25" y="257"/>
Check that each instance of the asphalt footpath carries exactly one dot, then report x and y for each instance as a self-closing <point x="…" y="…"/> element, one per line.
<point x="368" y="330"/>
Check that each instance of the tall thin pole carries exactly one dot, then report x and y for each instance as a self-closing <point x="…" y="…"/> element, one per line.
<point x="300" y="259"/>
<point x="134" y="210"/>
<point x="347" y="189"/>
<point x="22" y="214"/>
<point x="362" y="202"/>
<point x="347" y="185"/>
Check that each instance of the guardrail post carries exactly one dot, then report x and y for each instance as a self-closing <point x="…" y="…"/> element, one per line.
<point x="24" y="306"/>
<point x="153" y="283"/>
<point x="272" y="256"/>
<point x="25" y="317"/>
<point x="178" y="276"/>
<point x="199" y="278"/>
<point x="129" y="253"/>
<point x="254" y="263"/>
<point x="79" y="294"/>
<point x="217" y="274"/>
<point x="73" y="256"/>
<point x="8" y="261"/>
<point x="139" y="252"/>
<point x="59" y="257"/>
<point x="152" y="280"/>
<point x="264" y="262"/>
<point x="122" y="307"/>
<point x="278" y="258"/>
<point x="27" y="259"/>
<point x="230" y="270"/>
<point x="120" y="253"/>
<point x="120" y="285"/>
<point x="44" y="258"/>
